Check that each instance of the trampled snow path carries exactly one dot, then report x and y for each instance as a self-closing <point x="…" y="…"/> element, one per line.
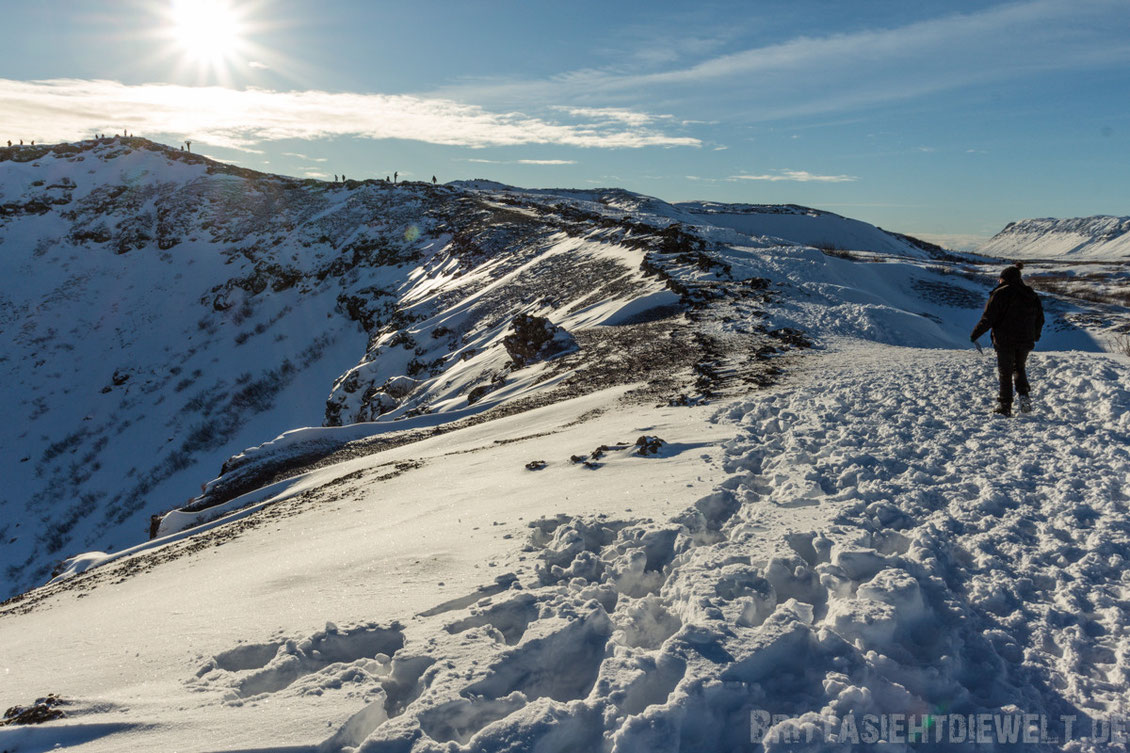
<point x="879" y="544"/>
<point x="882" y="545"/>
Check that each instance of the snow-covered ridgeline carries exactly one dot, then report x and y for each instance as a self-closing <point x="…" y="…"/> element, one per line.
<point x="193" y="309"/>
<point x="1099" y="238"/>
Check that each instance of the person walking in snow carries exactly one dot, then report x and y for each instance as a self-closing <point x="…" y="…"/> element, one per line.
<point x="1016" y="317"/>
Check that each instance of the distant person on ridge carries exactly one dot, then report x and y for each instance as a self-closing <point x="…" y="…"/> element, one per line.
<point x="1016" y="317"/>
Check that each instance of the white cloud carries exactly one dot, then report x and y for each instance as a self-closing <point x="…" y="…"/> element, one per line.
<point x="66" y="109"/>
<point x="798" y="176"/>
<point x="258" y="66"/>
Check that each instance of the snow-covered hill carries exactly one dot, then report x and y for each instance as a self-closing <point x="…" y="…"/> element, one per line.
<point x="171" y="311"/>
<point x="494" y="469"/>
<point x="808" y="227"/>
<point x="1099" y="238"/>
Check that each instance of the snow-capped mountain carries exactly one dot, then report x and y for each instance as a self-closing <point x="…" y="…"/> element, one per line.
<point x="1099" y="238"/>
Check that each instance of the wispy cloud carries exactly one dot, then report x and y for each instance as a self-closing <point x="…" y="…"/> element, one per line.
<point x="809" y="75"/>
<point x="305" y="157"/>
<point x="64" y="109"/>
<point x="797" y="176"/>
<point x="616" y="114"/>
<point x="518" y="161"/>
<point x="258" y="66"/>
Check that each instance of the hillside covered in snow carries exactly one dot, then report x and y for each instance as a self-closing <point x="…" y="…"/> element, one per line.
<point x="171" y="311"/>
<point x="1099" y="238"/>
<point x="366" y="467"/>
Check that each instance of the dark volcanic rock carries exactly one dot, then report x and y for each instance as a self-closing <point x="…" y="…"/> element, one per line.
<point x="535" y="338"/>
<point x="647" y="445"/>
<point x="43" y="710"/>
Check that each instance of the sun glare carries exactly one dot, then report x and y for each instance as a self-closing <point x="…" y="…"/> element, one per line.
<point x="209" y="33"/>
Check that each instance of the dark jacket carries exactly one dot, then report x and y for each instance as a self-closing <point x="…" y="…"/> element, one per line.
<point x="1015" y="315"/>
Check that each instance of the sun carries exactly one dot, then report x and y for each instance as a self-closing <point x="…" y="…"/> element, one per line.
<point x="209" y="33"/>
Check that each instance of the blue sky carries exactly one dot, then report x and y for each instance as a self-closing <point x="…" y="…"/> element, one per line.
<point x="945" y="120"/>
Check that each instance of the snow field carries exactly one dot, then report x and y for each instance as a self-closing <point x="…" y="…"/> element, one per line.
<point x="879" y="544"/>
<point x="222" y="644"/>
<point x="875" y="542"/>
<point x="884" y="546"/>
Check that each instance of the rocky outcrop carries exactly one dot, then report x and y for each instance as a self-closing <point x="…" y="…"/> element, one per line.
<point x="535" y="338"/>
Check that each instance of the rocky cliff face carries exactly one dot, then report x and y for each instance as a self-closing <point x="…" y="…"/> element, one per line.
<point x="1086" y="238"/>
<point x="167" y="311"/>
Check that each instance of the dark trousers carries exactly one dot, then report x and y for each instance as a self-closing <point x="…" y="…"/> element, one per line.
<point x="1011" y="362"/>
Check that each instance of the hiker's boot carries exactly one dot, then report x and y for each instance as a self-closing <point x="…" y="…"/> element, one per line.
<point x="1003" y="409"/>
<point x="1025" y="404"/>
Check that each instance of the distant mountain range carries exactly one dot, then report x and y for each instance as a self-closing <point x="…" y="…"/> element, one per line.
<point x="1097" y="238"/>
